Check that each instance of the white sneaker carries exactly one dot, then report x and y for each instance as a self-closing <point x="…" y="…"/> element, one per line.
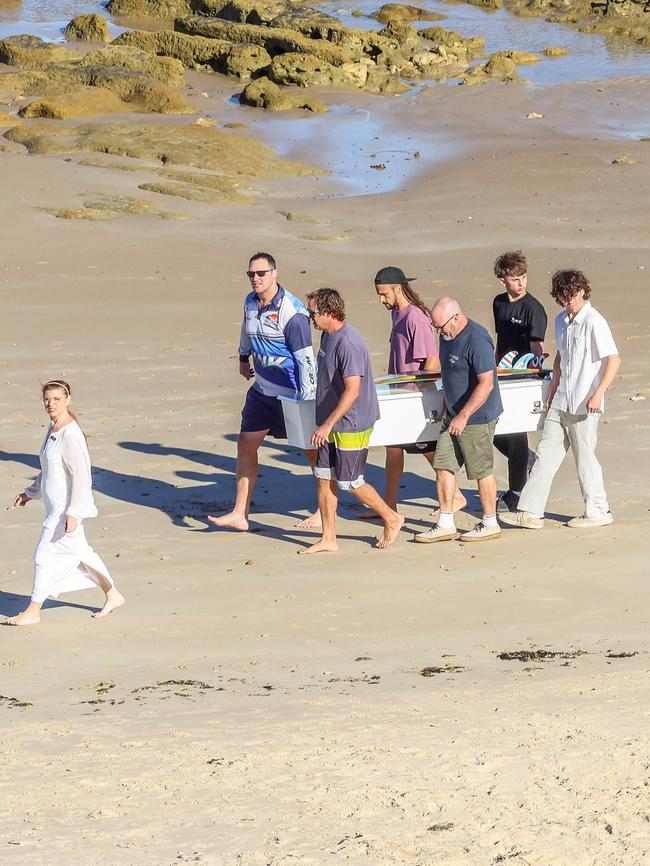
<point x="585" y="522"/>
<point x="437" y="533"/>
<point x="481" y="532"/>
<point x="523" y="520"/>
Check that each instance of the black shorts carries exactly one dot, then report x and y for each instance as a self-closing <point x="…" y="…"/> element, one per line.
<point x="417" y="448"/>
<point x="263" y="413"/>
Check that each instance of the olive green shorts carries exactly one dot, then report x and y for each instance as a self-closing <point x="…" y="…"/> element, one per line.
<point x="472" y="449"/>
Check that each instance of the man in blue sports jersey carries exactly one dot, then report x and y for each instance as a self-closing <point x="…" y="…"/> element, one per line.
<point x="276" y="334"/>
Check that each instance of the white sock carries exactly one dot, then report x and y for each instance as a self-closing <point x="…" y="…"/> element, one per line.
<point x="489" y="520"/>
<point x="446" y="520"/>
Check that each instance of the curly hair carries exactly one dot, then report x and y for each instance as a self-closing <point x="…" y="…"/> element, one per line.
<point x="510" y="264"/>
<point x="328" y="302"/>
<point x="566" y="285"/>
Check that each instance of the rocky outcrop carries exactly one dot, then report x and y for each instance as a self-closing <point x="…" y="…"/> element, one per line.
<point x="198" y="52"/>
<point x="168" y="70"/>
<point x="404" y="12"/>
<point x="171" y="144"/>
<point x="30" y="52"/>
<point x="275" y="40"/>
<point x="454" y="44"/>
<point x="263" y="93"/>
<point x="496" y="69"/>
<point x="90" y="28"/>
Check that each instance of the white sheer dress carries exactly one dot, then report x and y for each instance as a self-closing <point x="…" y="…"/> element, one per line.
<point x="64" y="485"/>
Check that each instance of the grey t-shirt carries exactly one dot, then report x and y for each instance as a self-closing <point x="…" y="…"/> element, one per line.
<point x="344" y="353"/>
<point x="461" y="360"/>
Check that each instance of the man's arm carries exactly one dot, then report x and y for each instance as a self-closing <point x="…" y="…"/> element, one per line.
<point x="351" y="391"/>
<point x="479" y="395"/>
<point x="611" y="369"/>
<point x="536" y="347"/>
<point x="244" y="351"/>
<point x="432" y="364"/>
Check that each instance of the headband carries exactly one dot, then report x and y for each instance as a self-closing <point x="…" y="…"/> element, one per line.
<point x="58" y="385"/>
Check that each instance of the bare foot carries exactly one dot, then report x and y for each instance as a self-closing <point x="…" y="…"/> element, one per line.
<point x="458" y="503"/>
<point x="369" y="514"/>
<point x="230" y="521"/>
<point x="27" y="617"/>
<point x="311" y="522"/>
<point x="114" y="599"/>
<point x="320" y="547"/>
<point x="390" y="532"/>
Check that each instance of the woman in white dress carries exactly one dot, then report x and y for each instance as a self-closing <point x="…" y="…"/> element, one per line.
<point x="63" y="559"/>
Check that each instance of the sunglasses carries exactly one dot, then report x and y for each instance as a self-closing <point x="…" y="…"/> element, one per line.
<point x="440" y="328"/>
<point x="251" y="274"/>
<point x="313" y="314"/>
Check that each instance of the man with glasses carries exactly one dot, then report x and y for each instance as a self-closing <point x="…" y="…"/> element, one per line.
<point x="346" y="410"/>
<point x="473" y="405"/>
<point x="276" y="334"/>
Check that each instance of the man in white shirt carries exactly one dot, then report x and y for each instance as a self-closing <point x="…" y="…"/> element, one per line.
<point x="585" y="365"/>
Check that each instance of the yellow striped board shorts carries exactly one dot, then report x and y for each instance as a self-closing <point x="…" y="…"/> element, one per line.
<point x="343" y="457"/>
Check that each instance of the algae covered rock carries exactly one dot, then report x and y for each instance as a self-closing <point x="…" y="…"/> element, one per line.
<point x="137" y="88"/>
<point x="199" y="52"/>
<point x="496" y="69"/>
<point x="401" y="34"/>
<point x="168" y="70"/>
<point x="171" y="144"/>
<point x="263" y="93"/>
<point x="554" y="52"/>
<point x="454" y="44"/>
<point x="404" y="12"/>
<point x="276" y="40"/>
<point x="80" y="102"/>
<point x="519" y="58"/>
<point x="30" y="52"/>
<point x="91" y="28"/>
<point x="165" y="9"/>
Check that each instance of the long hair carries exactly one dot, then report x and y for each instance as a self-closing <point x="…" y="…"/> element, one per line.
<point x="413" y="298"/>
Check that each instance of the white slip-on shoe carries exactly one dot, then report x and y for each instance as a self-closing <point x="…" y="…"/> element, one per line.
<point x="436" y="533"/>
<point x="585" y="522"/>
<point x="481" y="532"/>
<point x="523" y="520"/>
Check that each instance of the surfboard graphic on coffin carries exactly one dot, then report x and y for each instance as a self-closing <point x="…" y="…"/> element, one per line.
<point x="411" y="407"/>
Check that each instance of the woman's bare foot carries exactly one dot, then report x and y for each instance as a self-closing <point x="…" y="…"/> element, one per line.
<point x="320" y="547"/>
<point x="232" y="520"/>
<point x="457" y="504"/>
<point x="311" y="522"/>
<point x="114" y="599"/>
<point x="391" y="531"/>
<point x="29" y="616"/>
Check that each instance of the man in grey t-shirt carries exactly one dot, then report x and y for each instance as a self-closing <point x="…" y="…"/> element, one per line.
<point x="346" y="410"/>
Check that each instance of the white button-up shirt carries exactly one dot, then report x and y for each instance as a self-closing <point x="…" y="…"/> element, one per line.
<point x="584" y="342"/>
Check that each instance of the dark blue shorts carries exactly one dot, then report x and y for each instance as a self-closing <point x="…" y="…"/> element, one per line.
<point x="263" y="413"/>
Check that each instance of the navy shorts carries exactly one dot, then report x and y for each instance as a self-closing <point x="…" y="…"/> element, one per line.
<point x="263" y="413"/>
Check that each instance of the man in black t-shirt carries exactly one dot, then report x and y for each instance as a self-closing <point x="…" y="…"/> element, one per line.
<point x="520" y="325"/>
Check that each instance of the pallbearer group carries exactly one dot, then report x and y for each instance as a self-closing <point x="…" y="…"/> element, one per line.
<point x="276" y="353"/>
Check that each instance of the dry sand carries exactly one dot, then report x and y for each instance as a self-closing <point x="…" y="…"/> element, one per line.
<point x="250" y="707"/>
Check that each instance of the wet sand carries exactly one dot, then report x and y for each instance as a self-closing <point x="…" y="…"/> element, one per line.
<point x="249" y="706"/>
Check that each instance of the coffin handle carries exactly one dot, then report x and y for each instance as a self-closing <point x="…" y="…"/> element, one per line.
<point x="538" y="408"/>
<point x="432" y="417"/>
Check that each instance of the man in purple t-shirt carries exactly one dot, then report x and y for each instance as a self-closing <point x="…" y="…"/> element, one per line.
<point x="346" y="411"/>
<point x="412" y="349"/>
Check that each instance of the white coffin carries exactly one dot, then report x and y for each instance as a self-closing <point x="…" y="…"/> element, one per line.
<point x="410" y="411"/>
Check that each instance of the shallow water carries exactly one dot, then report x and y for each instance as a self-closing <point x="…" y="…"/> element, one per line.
<point x="45" y="18"/>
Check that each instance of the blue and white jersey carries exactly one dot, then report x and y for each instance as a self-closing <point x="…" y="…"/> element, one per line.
<point x="278" y="337"/>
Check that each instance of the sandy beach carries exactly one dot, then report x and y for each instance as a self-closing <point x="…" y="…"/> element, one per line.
<point x="250" y="707"/>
